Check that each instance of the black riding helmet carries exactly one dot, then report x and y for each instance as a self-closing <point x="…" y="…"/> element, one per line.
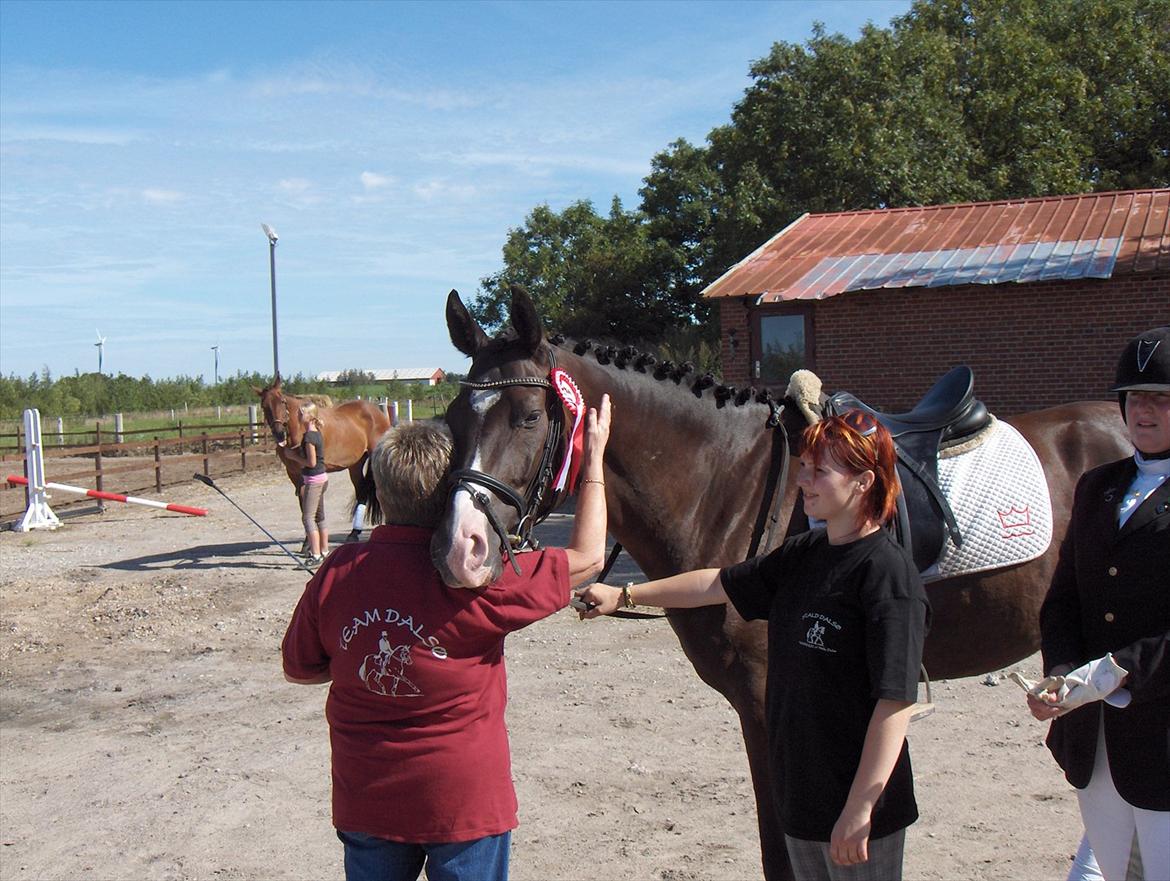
<point x="1144" y="365"/>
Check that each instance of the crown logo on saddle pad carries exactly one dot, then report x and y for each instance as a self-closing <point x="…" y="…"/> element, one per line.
<point x="1016" y="521"/>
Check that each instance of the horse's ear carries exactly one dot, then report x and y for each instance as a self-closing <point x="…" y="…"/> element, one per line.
<point x="525" y="321"/>
<point x="276" y="383"/>
<point x="258" y="391"/>
<point x="466" y="334"/>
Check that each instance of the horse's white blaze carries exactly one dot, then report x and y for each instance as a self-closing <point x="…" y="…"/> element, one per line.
<point x="467" y="558"/>
<point x="483" y="400"/>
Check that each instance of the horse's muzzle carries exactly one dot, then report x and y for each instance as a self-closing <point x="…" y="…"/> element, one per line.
<point x="464" y="560"/>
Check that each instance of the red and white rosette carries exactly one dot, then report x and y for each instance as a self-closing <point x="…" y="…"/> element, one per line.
<point x="574" y="402"/>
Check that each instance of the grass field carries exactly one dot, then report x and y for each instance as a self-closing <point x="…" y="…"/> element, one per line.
<point x="427" y="403"/>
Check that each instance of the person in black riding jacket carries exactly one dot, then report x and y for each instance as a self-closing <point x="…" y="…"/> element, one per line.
<point x="1105" y="631"/>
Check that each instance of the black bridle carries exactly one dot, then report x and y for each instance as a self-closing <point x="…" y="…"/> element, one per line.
<point x="536" y="502"/>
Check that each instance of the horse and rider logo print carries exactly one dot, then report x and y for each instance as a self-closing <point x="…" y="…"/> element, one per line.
<point x="814" y="638"/>
<point x="385" y="671"/>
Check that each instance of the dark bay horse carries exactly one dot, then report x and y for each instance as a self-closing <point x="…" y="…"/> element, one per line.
<point x="685" y="472"/>
<point x="350" y="431"/>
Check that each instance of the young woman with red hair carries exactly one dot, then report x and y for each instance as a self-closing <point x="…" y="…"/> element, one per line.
<point x="847" y="616"/>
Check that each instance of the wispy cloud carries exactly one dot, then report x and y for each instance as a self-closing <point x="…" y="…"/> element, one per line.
<point x="433" y="190"/>
<point x="393" y="150"/>
<point x="162" y="197"/>
<point x="371" y="180"/>
<point x="68" y="134"/>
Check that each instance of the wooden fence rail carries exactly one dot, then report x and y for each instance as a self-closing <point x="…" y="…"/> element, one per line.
<point x="12" y="442"/>
<point x="151" y="464"/>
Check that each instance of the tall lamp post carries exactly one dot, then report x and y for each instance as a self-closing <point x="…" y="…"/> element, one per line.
<point x="271" y="233"/>
<point x="215" y="349"/>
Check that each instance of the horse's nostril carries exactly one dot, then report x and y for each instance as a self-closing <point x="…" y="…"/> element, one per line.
<point x="478" y="549"/>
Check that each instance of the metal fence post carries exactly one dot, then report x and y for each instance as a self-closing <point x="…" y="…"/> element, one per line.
<point x="118" y="428"/>
<point x="252" y="423"/>
<point x="157" y="466"/>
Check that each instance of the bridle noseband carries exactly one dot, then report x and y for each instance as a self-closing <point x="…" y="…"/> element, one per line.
<point x="532" y="507"/>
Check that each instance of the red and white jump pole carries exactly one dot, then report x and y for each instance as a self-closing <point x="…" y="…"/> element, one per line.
<point x="38" y="514"/>
<point x="112" y="497"/>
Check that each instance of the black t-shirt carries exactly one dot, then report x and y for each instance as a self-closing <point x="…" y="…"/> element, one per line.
<point x="313" y="438"/>
<point x="846" y="624"/>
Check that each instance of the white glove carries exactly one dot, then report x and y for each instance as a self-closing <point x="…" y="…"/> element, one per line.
<point x="1094" y="681"/>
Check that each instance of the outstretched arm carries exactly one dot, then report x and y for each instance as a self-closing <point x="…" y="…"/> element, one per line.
<point x="586" y="548"/>
<point x="702" y="587"/>
<point x="299" y="455"/>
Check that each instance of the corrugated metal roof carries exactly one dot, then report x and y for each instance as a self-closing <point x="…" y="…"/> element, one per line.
<point x="1095" y="235"/>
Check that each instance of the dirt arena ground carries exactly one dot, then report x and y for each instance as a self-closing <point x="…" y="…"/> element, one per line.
<point x="146" y="732"/>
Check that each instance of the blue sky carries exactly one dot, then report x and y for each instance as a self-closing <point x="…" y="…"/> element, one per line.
<point x="391" y="145"/>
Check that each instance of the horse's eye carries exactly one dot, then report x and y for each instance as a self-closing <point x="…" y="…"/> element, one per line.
<point x="531" y="420"/>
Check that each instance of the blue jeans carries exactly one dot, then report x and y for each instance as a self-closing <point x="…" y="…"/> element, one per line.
<point x="368" y="858"/>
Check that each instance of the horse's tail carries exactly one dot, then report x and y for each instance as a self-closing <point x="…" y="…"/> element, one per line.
<point x="365" y="493"/>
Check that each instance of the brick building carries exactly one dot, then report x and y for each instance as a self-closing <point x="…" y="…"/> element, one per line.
<point x="1038" y="296"/>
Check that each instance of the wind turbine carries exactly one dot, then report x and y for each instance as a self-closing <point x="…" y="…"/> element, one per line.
<point x="101" y="347"/>
<point x="215" y="349"/>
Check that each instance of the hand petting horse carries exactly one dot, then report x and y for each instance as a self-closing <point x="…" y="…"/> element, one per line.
<point x="350" y="431"/>
<point x="688" y="478"/>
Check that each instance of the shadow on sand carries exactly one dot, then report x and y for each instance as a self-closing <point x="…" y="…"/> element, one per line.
<point x="234" y="555"/>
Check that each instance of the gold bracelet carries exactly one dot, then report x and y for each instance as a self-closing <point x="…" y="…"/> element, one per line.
<point x="591" y="480"/>
<point x="628" y="596"/>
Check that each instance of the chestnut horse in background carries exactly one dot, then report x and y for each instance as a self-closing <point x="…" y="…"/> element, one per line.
<point x="685" y="475"/>
<point x="349" y="430"/>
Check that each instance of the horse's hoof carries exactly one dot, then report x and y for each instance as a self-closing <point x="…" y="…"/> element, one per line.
<point x="355" y="535"/>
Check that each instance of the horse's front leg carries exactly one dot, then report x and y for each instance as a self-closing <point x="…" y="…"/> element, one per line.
<point x="772" y="848"/>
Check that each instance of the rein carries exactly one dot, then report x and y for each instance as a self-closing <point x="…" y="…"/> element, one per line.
<point x="531" y="507"/>
<point x="777" y="480"/>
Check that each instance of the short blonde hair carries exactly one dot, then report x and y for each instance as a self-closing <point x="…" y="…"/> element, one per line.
<point x="409" y="464"/>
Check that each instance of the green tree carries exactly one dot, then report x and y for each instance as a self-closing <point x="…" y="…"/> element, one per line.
<point x="958" y="100"/>
<point x="590" y="276"/>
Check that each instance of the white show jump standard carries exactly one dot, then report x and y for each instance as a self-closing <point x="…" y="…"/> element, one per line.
<point x="113" y="497"/>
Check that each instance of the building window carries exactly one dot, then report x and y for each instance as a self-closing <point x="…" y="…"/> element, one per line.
<point x="784" y="344"/>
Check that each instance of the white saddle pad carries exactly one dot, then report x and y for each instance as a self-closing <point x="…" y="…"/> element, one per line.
<point x="999" y="496"/>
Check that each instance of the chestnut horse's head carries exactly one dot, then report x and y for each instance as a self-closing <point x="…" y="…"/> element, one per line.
<point x="507" y="426"/>
<point x="280" y="417"/>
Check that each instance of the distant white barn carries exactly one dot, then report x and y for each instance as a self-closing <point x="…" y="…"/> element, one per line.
<point x="415" y="375"/>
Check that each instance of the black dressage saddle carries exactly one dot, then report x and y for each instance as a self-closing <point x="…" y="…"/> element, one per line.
<point x="947" y="414"/>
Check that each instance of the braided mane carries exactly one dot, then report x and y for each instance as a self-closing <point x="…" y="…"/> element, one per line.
<point x="664" y="371"/>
